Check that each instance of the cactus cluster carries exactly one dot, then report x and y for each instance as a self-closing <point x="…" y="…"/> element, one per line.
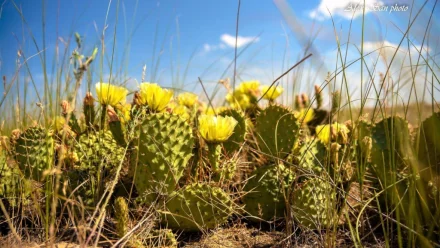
<point x="195" y="167"/>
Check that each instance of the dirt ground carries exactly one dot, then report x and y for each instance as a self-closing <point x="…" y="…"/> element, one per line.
<point x="239" y="237"/>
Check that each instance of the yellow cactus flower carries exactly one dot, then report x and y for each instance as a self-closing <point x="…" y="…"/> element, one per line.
<point x="305" y="115"/>
<point x="187" y="99"/>
<point x="210" y="110"/>
<point x="172" y="104"/>
<point x="249" y="87"/>
<point x="220" y="109"/>
<point x="182" y="111"/>
<point x="59" y="123"/>
<point x="4" y="144"/>
<point x="216" y="129"/>
<point x="110" y="94"/>
<point x="335" y="132"/>
<point x="124" y="111"/>
<point x="271" y="93"/>
<point x="155" y="96"/>
<point x="61" y="127"/>
<point x="238" y="100"/>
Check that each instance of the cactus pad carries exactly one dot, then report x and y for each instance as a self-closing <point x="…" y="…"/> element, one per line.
<point x="8" y="177"/>
<point x="198" y="206"/>
<point x="96" y="155"/>
<point x="391" y="150"/>
<point x="392" y="157"/>
<point x="13" y="188"/>
<point x="276" y="130"/>
<point x="98" y="148"/>
<point x="122" y="216"/>
<point x="161" y="238"/>
<point x="164" y="147"/>
<point x="429" y="146"/>
<point x="266" y="191"/>
<point x="314" y="204"/>
<point x="34" y="151"/>
<point x="310" y="157"/>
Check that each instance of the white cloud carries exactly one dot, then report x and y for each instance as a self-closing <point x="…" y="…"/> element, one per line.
<point x="209" y="48"/>
<point x="345" y="8"/>
<point x="206" y="47"/>
<point x="387" y="49"/>
<point x="229" y="40"/>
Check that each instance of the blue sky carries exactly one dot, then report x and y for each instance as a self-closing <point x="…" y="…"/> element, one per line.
<point x="177" y="32"/>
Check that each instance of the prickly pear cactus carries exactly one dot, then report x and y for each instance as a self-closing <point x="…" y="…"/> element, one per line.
<point x="226" y="172"/>
<point x="393" y="164"/>
<point x="266" y="191"/>
<point x="161" y="238"/>
<point x="13" y="188"/>
<point x="196" y="207"/>
<point x="434" y="193"/>
<point x="8" y="177"/>
<point x="363" y="141"/>
<point x="95" y="149"/>
<point x="4" y="177"/>
<point x="314" y="204"/>
<point x="95" y="155"/>
<point x="364" y="128"/>
<point x="122" y="216"/>
<point x="34" y="151"/>
<point x="79" y="182"/>
<point x="320" y="116"/>
<point x="391" y="148"/>
<point x="89" y="110"/>
<point x="276" y="130"/>
<point x="237" y="138"/>
<point x="163" y="149"/>
<point x="335" y="160"/>
<point x="429" y="144"/>
<point x="336" y="101"/>
<point x="310" y="157"/>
